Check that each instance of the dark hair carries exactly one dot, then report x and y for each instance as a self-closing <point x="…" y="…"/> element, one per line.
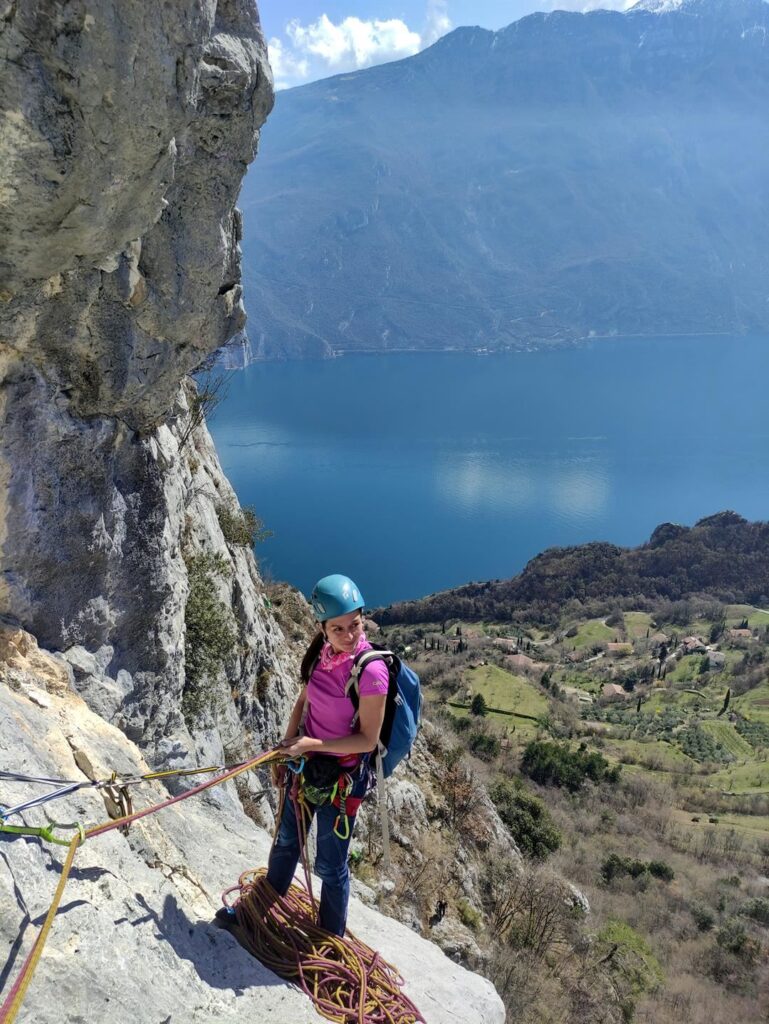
<point x="311" y="655"/>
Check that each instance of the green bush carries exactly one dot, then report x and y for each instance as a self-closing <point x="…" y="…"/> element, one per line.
<point x="633" y="957"/>
<point x="703" y="916"/>
<point x="555" y="764"/>
<point x="210" y="635"/>
<point x="478" y="705"/>
<point x="733" y="937"/>
<point x="660" y="869"/>
<point x="484" y="745"/>
<point x="469" y="915"/>
<point x="527" y="818"/>
<point x="241" y="526"/>
<point x="757" y="909"/>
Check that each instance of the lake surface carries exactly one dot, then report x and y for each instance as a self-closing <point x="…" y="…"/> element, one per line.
<point x="417" y="472"/>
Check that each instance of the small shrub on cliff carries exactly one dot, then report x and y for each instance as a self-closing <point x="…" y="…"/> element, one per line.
<point x="484" y="745"/>
<point x="241" y="526"/>
<point x="210" y="635"/>
<point x="527" y="818"/>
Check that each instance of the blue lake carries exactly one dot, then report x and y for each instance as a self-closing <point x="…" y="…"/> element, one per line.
<point x="416" y="472"/>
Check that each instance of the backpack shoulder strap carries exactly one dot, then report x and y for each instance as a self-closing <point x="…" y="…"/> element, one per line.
<point x="361" y="661"/>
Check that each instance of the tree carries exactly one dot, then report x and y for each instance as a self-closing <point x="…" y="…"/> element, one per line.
<point x="478" y="705"/>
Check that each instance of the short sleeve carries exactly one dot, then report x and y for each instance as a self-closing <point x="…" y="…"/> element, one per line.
<point x="374" y="679"/>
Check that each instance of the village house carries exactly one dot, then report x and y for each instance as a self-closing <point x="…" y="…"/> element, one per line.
<point x="716" y="659"/>
<point x="692" y="645"/>
<point x="613" y="691"/>
<point x="506" y="644"/>
<point x="741" y="634"/>
<point x="581" y="696"/>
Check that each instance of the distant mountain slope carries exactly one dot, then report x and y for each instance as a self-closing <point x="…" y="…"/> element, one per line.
<point x="570" y="174"/>
<point x="723" y="555"/>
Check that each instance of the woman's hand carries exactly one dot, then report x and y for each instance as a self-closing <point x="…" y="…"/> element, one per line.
<point x="296" y="746"/>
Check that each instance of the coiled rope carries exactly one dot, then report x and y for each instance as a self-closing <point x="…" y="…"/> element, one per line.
<point x="348" y="982"/>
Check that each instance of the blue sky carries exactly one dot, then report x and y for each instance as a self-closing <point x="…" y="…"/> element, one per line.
<point x="311" y="39"/>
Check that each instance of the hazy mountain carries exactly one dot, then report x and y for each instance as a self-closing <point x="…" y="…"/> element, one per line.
<point x="570" y="174"/>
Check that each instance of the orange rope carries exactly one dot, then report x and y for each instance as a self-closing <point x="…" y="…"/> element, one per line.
<point x="348" y="982"/>
<point x="13" y="1000"/>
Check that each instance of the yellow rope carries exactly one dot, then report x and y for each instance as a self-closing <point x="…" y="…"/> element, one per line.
<point x="23" y="984"/>
<point x="12" y="1003"/>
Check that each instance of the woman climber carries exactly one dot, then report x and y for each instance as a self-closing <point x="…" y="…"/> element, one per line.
<point x="335" y="742"/>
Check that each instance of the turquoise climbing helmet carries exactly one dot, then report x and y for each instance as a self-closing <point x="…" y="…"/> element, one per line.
<point x="334" y="596"/>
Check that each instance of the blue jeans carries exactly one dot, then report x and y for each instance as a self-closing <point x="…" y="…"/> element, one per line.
<point x="330" y="862"/>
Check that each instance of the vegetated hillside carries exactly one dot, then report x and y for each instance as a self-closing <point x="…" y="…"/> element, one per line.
<point x="723" y="555"/>
<point x="627" y="754"/>
<point x="569" y="175"/>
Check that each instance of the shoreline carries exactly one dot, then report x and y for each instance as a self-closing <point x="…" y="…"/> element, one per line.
<point x="481" y="351"/>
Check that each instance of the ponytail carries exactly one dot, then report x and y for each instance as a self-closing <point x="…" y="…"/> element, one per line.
<point x="311" y="655"/>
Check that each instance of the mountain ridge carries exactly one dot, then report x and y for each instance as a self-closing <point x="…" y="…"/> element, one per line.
<point x="566" y="177"/>
<point x="722" y="555"/>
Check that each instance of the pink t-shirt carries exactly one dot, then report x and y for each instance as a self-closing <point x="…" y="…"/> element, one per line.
<point x="330" y="713"/>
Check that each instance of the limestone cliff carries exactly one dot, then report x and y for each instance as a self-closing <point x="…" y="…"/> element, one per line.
<point x="125" y="138"/>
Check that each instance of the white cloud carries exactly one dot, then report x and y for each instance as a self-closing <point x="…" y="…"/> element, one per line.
<point x="287" y="67"/>
<point x="605" y="5"/>
<point x="354" y="43"/>
<point x="437" y="22"/>
<point x="323" y="46"/>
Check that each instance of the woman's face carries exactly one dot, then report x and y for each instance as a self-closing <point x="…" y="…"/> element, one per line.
<point x="344" y="632"/>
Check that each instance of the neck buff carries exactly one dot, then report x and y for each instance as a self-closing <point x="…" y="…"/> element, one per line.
<point x="331" y="659"/>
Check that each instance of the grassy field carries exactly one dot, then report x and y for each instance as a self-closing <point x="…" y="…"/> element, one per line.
<point x="755" y="703"/>
<point x="656" y="755"/>
<point x="756" y="617"/>
<point x="594" y="631"/>
<point x="742" y="778"/>
<point x="725" y="734"/>
<point x="637" y="624"/>
<point x="505" y="691"/>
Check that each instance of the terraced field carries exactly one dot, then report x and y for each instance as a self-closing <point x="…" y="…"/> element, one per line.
<point x="656" y="755"/>
<point x="725" y="734"/>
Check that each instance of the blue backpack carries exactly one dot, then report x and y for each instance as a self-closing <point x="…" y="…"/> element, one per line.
<point x="403" y="706"/>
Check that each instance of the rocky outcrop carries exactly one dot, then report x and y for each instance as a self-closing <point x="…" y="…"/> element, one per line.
<point x="133" y="940"/>
<point x="125" y="140"/>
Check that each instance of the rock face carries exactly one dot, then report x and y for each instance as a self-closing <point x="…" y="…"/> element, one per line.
<point x="133" y="940"/>
<point x="125" y="139"/>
